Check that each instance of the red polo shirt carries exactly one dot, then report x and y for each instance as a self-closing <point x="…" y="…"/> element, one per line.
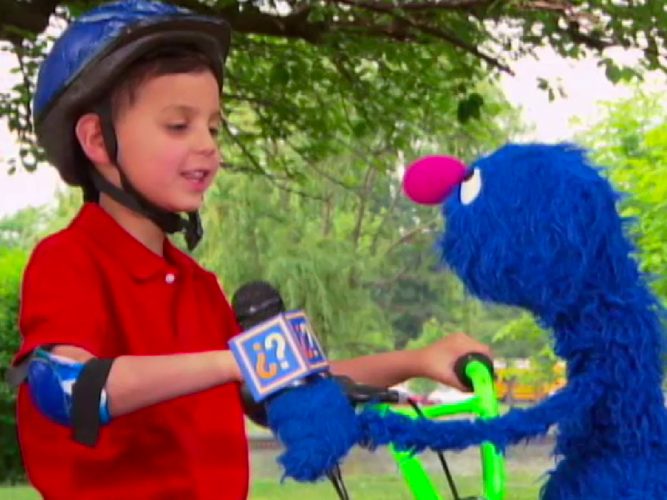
<point x="94" y="286"/>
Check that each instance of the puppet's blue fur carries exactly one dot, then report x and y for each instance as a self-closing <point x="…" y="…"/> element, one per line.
<point x="544" y="234"/>
<point x="316" y="425"/>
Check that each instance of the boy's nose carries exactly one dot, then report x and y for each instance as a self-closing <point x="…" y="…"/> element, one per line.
<point x="206" y="143"/>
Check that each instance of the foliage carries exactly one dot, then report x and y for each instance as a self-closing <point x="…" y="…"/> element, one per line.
<point x="379" y="60"/>
<point x="12" y="262"/>
<point x="22" y="229"/>
<point x="631" y="141"/>
<point x="324" y="103"/>
<point x="486" y="30"/>
<point x="334" y="230"/>
<point x="521" y="337"/>
<point x="16" y="106"/>
<point x="524" y="338"/>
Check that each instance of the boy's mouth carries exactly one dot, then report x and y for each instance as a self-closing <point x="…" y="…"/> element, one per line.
<point x="197" y="178"/>
<point x="196" y="175"/>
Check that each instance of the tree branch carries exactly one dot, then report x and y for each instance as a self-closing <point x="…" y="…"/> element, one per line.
<point x="456" y="42"/>
<point x="393" y="11"/>
<point x="366" y="189"/>
<point x="415" y="6"/>
<point x="22" y="17"/>
<point x="412" y="234"/>
<point x="388" y="213"/>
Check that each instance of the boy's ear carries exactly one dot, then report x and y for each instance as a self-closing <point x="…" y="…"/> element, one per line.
<point x="89" y="134"/>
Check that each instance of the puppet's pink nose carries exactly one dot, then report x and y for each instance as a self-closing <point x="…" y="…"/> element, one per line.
<point x="429" y="180"/>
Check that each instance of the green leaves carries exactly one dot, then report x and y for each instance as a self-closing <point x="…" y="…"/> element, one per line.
<point x="22" y="229"/>
<point x="616" y="73"/>
<point x="470" y="107"/>
<point x="631" y="140"/>
<point x="337" y="236"/>
<point x="328" y="71"/>
<point x="12" y="263"/>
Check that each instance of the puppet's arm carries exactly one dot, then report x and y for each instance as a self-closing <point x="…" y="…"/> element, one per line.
<point x="418" y="434"/>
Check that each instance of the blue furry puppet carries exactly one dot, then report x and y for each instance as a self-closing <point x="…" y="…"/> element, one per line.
<point x="536" y="226"/>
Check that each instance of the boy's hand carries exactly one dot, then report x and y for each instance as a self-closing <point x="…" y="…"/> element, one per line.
<point x="436" y="361"/>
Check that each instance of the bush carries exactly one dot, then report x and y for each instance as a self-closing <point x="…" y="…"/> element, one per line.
<point x="12" y="262"/>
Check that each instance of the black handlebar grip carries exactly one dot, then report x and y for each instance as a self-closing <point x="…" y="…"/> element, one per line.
<point x="461" y="363"/>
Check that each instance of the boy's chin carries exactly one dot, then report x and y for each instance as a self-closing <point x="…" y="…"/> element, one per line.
<point x="182" y="206"/>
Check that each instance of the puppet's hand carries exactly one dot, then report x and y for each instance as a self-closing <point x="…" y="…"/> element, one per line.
<point x="316" y="424"/>
<point x="571" y="402"/>
<point x="436" y="361"/>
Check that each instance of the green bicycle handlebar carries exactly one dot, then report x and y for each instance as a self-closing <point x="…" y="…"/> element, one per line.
<point x="478" y="370"/>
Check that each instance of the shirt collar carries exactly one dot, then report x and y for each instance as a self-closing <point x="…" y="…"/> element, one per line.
<point x="132" y="255"/>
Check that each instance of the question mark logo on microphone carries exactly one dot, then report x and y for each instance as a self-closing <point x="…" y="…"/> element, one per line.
<point x="272" y="343"/>
<point x="270" y="357"/>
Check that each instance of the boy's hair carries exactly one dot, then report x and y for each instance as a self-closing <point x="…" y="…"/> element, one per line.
<point x="158" y="63"/>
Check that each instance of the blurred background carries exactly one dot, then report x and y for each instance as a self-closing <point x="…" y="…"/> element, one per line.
<point x="324" y="104"/>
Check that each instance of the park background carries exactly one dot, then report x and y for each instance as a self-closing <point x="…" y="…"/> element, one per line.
<point x="325" y="102"/>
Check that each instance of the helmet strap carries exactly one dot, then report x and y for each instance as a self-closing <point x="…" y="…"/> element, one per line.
<point x="131" y="198"/>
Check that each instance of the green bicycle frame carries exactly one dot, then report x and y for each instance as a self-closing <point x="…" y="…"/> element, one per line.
<point x="483" y="404"/>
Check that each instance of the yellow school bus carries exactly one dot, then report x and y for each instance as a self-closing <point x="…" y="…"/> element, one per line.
<point x="514" y="384"/>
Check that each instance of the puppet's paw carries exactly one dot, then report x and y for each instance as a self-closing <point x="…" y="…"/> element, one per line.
<point x="317" y="426"/>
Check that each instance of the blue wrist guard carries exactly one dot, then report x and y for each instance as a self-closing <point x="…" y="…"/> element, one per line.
<point x="66" y="390"/>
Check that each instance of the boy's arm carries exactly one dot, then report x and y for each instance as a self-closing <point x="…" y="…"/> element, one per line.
<point x="136" y="382"/>
<point x="435" y="361"/>
<point x="382" y="370"/>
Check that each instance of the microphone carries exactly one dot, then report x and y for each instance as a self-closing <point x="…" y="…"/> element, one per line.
<point x="286" y="373"/>
<point x="256" y="304"/>
<point x="278" y="349"/>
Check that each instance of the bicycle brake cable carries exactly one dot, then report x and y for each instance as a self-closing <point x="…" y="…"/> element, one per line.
<point x="336" y="478"/>
<point x="441" y="455"/>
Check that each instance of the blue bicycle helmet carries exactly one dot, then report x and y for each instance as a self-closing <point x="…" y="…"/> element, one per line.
<point x="85" y="63"/>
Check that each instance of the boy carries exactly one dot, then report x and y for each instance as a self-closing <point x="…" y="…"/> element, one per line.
<point x="127" y="107"/>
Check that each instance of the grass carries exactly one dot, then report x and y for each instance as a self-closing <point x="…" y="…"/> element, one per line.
<point x="383" y="488"/>
<point x="374" y="476"/>
<point x="18" y="493"/>
<point x="521" y="487"/>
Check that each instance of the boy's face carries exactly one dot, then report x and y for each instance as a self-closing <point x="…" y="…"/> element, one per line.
<point x="167" y="139"/>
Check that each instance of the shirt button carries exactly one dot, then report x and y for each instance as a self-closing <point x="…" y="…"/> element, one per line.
<point x="170" y="278"/>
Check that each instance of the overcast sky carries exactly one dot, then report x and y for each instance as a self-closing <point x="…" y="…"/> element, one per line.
<point x="583" y="81"/>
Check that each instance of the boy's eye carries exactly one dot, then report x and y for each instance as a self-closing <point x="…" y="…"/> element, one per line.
<point x="177" y="127"/>
<point x="214" y="131"/>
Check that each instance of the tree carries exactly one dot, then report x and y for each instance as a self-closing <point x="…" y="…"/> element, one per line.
<point x="631" y="141"/>
<point x="288" y="54"/>
<point x="468" y="26"/>
<point x="12" y="262"/>
<point x="22" y="229"/>
<point x="336" y="234"/>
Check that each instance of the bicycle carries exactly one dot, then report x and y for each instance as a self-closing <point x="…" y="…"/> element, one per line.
<point x="475" y="371"/>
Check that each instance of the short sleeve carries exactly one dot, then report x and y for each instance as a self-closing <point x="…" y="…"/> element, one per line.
<point x="61" y="299"/>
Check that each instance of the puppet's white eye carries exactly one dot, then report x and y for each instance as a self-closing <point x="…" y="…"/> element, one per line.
<point x="471" y="187"/>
